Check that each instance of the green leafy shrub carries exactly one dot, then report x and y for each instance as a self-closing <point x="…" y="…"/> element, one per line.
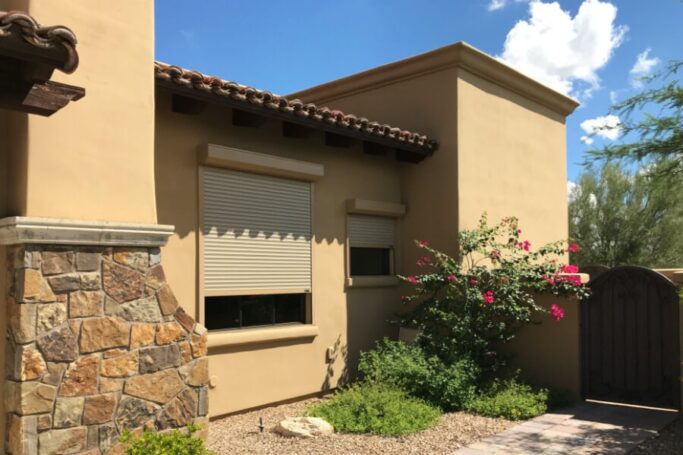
<point x="172" y="443"/>
<point x="376" y="408"/>
<point x="427" y="377"/>
<point x="468" y="305"/>
<point x="511" y="400"/>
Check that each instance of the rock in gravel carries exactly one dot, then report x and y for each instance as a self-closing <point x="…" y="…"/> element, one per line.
<point x="304" y="427"/>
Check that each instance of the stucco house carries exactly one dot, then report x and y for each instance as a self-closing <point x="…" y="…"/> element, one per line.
<point x="137" y="197"/>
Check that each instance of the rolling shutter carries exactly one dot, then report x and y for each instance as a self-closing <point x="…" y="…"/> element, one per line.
<point x="371" y="231"/>
<point x="257" y="232"/>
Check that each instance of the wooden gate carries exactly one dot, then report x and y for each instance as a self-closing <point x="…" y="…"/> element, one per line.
<point x="630" y="338"/>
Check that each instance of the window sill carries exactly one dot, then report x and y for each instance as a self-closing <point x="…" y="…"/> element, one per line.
<point x="242" y="337"/>
<point x="372" y="282"/>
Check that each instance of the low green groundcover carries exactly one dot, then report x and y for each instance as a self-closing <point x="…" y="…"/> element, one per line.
<point x="173" y="443"/>
<point x="510" y="400"/>
<point x="376" y="408"/>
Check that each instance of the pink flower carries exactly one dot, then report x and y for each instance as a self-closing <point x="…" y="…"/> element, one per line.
<point x="422" y="243"/>
<point x="495" y="254"/>
<point x="556" y="311"/>
<point x="411" y="279"/>
<point x="451" y="278"/>
<point x="472" y="281"/>
<point x="488" y="296"/>
<point x="550" y="281"/>
<point x="570" y="268"/>
<point x="573" y="248"/>
<point x="525" y="244"/>
<point x="519" y="231"/>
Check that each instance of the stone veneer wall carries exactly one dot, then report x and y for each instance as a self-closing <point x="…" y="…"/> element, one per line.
<point x="96" y="343"/>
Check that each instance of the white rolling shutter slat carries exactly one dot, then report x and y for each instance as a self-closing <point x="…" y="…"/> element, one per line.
<point x="371" y="231"/>
<point x="257" y="231"/>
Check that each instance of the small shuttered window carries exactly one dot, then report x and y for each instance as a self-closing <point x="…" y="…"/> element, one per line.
<point x="256" y="233"/>
<point x="371" y="242"/>
<point x="371" y="231"/>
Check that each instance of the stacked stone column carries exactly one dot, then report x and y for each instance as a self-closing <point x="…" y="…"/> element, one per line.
<point x="97" y="343"/>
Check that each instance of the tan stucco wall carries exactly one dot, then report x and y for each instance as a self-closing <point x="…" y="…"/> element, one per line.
<point x="511" y="160"/>
<point x="426" y="104"/>
<point x="351" y="319"/>
<point x="549" y="353"/>
<point x="94" y="159"/>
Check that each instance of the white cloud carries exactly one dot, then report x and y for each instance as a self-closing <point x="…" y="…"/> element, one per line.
<point x="495" y="5"/>
<point x="606" y="127"/>
<point x="570" y="188"/>
<point x="562" y="51"/>
<point x="642" y="68"/>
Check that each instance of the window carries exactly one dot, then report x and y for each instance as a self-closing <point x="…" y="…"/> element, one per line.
<point x="254" y="310"/>
<point x="256" y="248"/>
<point x="371" y="245"/>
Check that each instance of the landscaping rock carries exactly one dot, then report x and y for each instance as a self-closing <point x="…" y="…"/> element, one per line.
<point x="304" y="427"/>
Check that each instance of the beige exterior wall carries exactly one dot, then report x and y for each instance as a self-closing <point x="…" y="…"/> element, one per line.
<point x="427" y="104"/>
<point x="511" y="160"/>
<point x="549" y="354"/>
<point x="348" y="319"/>
<point x="93" y="160"/>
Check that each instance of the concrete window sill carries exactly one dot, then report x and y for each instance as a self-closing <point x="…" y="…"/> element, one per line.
<point x="244" y="337"/>
<point x="372" y="282"/>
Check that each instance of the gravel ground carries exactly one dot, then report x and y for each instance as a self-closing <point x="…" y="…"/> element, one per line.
<point x="668" y="442"/>
<point x="239" y="434"/>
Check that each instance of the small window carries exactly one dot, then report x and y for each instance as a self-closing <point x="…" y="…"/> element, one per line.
<point x="232" y="312"/>
<point x="371" y="245"/>
<point x="370" y="261"/>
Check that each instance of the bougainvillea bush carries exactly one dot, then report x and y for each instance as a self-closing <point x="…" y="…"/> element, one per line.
<point x="467" y="306"/>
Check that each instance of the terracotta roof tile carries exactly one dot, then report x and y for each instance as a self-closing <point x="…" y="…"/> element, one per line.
<point x="296" y="108"/>
<point x="54" y="38"/>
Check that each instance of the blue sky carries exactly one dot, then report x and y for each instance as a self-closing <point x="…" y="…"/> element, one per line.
<point x="585" y="47"/>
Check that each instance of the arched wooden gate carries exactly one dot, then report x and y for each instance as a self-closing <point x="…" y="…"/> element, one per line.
<point x="630" y="338"/>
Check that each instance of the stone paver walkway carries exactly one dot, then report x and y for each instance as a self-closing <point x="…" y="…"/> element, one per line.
<point x="588" y="428"/>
